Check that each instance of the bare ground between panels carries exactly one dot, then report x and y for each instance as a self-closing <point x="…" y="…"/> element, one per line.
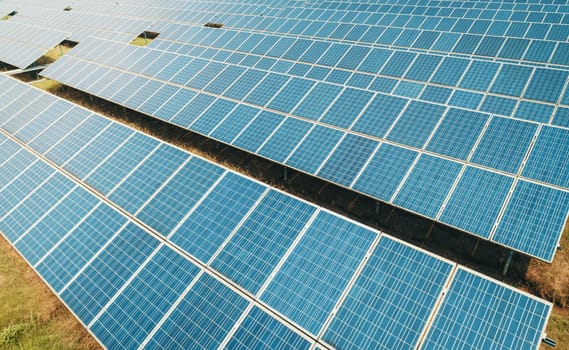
<point x="549" y="281"/>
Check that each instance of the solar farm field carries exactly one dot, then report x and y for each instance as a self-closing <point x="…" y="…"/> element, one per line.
<point x="284" y="174"/>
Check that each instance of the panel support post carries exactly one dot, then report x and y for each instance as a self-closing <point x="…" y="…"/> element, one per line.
<point x="475" y="247"/>
<point x="376" y="208"/>
<point x="145" y="39"/>
<point x="507" y="263"/>
<point x="429" y="232"/>
<point x="60" y="50"/>
<point x="285" y="173"/>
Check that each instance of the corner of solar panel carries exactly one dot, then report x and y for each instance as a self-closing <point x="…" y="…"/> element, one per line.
<point x="455" y="113"/>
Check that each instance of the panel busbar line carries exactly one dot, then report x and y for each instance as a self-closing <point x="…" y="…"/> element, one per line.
<point x="132" y="258"/>
<point x="446" y="154"/>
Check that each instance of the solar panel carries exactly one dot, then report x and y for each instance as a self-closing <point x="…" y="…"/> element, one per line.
<point x="131" y="284"/>
<point x="332" y="116"/>
<point x="23" y="44"/>
<point x="470" y="332"/>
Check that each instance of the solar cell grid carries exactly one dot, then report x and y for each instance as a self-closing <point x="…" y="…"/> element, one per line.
<point x="262" y="240"/>
<point x="310" y="282"/>
<point x="393" y="281"/>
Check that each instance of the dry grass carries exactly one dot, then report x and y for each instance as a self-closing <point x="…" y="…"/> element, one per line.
<point x="47" y="85"/>
<point x="558" y="329"/>
<point x="31" y="317"/>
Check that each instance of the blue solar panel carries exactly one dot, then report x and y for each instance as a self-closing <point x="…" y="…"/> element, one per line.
<point x="533" y="217"/>
<point x="30" y="209"/>
<point x="436" y="94"/>
<point x="291" y="94"/>
<point x="191" y="111"/>
<point x="224" y="79"/>
<point x="562" y="117"/>
<point x="428" y="184"/>
<point x="463" y="323"/>
<point x="546" y="85"/>
<point x="141" y="184"/>
<point x="161" y="96"/>
<point x="347" y="107"/>
<point x="391" y="301"/>
<point x="511" y="80"/>
<point x="75" y="250"/>
<point x="115" y="168"/>
<point x="206" y="75"/>
<point x="234" y="123"/>
<point x="274" y="246"/>
<point x="241" y="87"/>
<point x="205" y="230"/>
<point x="176" y="103"/>
<point x="59" y="129"/>
<point x="380" y="115"/>
<point x="534" y="111"/>
<point x="49" y="230"/>
<point x="314" y="149"/>
<point x="504" y="144"/>
<point x="416" y="123"/>
<point x="423" y="67"/>
<point x="139" y="307"/>
<point x="549" y="158"/>
<point x="213" y="116"/>
<point x="347" y="159"/>
<point x="102" y="146"/>
<point x="450" y="71"/>
<point x="317" y="101"/>
<point x="179" y="194"/>
<point x="285" y="139"/>
<point x="479" y="75"/>
<point x="90" y="291"/>
<point x="263" y="239"/>
<point x="203" y="318"/>
<point x="385" y="171"/>
<point x="22" y="116"/>
<point x="454" y="137"/>
<point x="261" y="331"/>
<point x="310" y="282"/>
<point x="260" y="129"/>
<point x="14" y="165"/>
<point x="476" y="201"/>
<point x="498" y="105"/>
<point x="398" y="63"/>
<point x="266" y="90"/>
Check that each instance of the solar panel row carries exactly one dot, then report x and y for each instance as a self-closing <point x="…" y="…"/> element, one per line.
<point x="495" y="30"/>
<point x="432" y="157"/>
<point x="21" y="45"/>
<point x="433" y="77"/>
<point x="83" y="25"/>
<point x="204" y="270"/>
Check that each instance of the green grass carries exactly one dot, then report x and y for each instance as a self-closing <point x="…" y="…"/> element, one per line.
<point x="31" y="317"/>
